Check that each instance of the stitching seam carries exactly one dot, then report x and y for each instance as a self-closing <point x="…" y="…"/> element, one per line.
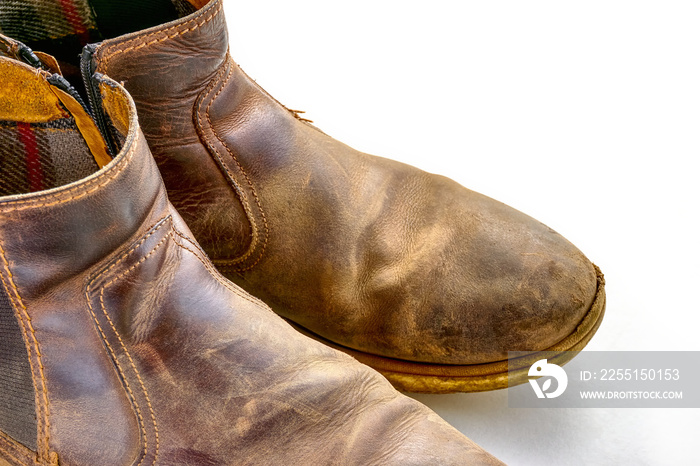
<point x="126" y="381"/>
<point x="214" y="272"/>
<point x="45" y="425"/>
<point x="240" y="167"/>
<point x="12" y="456"/>
<point x="242" y="196"/>
<point x="121" y="342"/>
<point x="151" y="231"/>
<point x="121" y="48"/>
<point x="7" y="448"/>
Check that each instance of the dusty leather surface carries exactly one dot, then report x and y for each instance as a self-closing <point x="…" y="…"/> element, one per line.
<point x="142" y="353"/>
<point x="366" y="252"/>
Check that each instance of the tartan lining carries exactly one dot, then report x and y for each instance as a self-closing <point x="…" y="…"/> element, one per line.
<point x="39" y="156"/>
<point x="34" y="20"/>
<point x="72" y="23"/>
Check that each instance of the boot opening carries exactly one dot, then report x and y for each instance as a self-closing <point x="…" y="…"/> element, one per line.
<point x="61" y="28"/>
<point x="47" y="136"/>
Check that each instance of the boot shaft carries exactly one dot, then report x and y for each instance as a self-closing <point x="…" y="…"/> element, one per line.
<point x="167" y="69"/>
<point x="63" y="209"/>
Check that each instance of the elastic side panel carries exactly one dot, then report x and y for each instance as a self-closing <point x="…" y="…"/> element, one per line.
<point x="39" y="156"/>
<point x="17" y="410"/>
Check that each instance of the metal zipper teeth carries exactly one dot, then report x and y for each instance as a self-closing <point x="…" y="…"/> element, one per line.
<point x="87" y="72"/>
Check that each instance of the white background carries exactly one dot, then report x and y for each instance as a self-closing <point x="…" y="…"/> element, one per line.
<point x="585" y="115"/>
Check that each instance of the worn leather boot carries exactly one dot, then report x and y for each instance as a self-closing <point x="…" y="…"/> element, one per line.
<point x="120" y="343"/>
<point x="424" y="280"/>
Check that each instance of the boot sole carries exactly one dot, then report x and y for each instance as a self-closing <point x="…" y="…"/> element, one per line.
<point x="419" y="377"/>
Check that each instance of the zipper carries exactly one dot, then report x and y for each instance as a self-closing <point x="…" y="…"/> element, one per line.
<point x="87" y="71"/>
<point x="26" y="54"/>
<point x="62" y="83"/>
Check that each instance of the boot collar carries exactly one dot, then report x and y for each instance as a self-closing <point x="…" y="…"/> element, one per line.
<point x="50" y="235"/>
<point x="192" y="48"/>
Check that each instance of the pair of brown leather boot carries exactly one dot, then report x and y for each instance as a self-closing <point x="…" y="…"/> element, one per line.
<point x="122" y="343"/>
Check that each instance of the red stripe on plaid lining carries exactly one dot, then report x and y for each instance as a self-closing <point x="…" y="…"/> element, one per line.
<point x="35" y="173"/>
<point x="75" y="20"/>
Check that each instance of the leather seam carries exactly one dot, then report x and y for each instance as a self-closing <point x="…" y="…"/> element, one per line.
<point x="123" y="376"/>
<point x="245" y="175"/>
<point x="153" y="229"/>
<point x="231" y="178"/>
<point x="8" y="447"/>
<point x="42" y="408"/>
<point x="214" y="272"/>
<point x="117" y="49"/>
<point x="12" y="456"/>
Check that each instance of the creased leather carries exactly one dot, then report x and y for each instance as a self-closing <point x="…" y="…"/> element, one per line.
<point x="369" y="253"/>
<point x="195" y="51"/>
<point x="143" y="354"/>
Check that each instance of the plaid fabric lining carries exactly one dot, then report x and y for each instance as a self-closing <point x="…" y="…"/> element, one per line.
<point x="35" y="22"/>
<point x="30" y="21"/>
<point x="39" y="156"/>
<point x="61" y="28"/>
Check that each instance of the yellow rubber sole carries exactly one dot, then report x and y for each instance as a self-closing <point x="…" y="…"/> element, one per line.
<point x="418" y="377"/>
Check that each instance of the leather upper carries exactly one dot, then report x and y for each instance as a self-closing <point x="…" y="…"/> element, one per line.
<point x="142" y="353"/>
<point x="366" y="252"/>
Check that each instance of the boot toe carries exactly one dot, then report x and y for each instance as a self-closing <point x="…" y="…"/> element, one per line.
<point x="517" y="286"/>
<point x="486" y="279"/>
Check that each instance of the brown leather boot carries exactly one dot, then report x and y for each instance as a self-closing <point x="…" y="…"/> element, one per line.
<point x="119" y="341"/>
<point x="424" y="280"/>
